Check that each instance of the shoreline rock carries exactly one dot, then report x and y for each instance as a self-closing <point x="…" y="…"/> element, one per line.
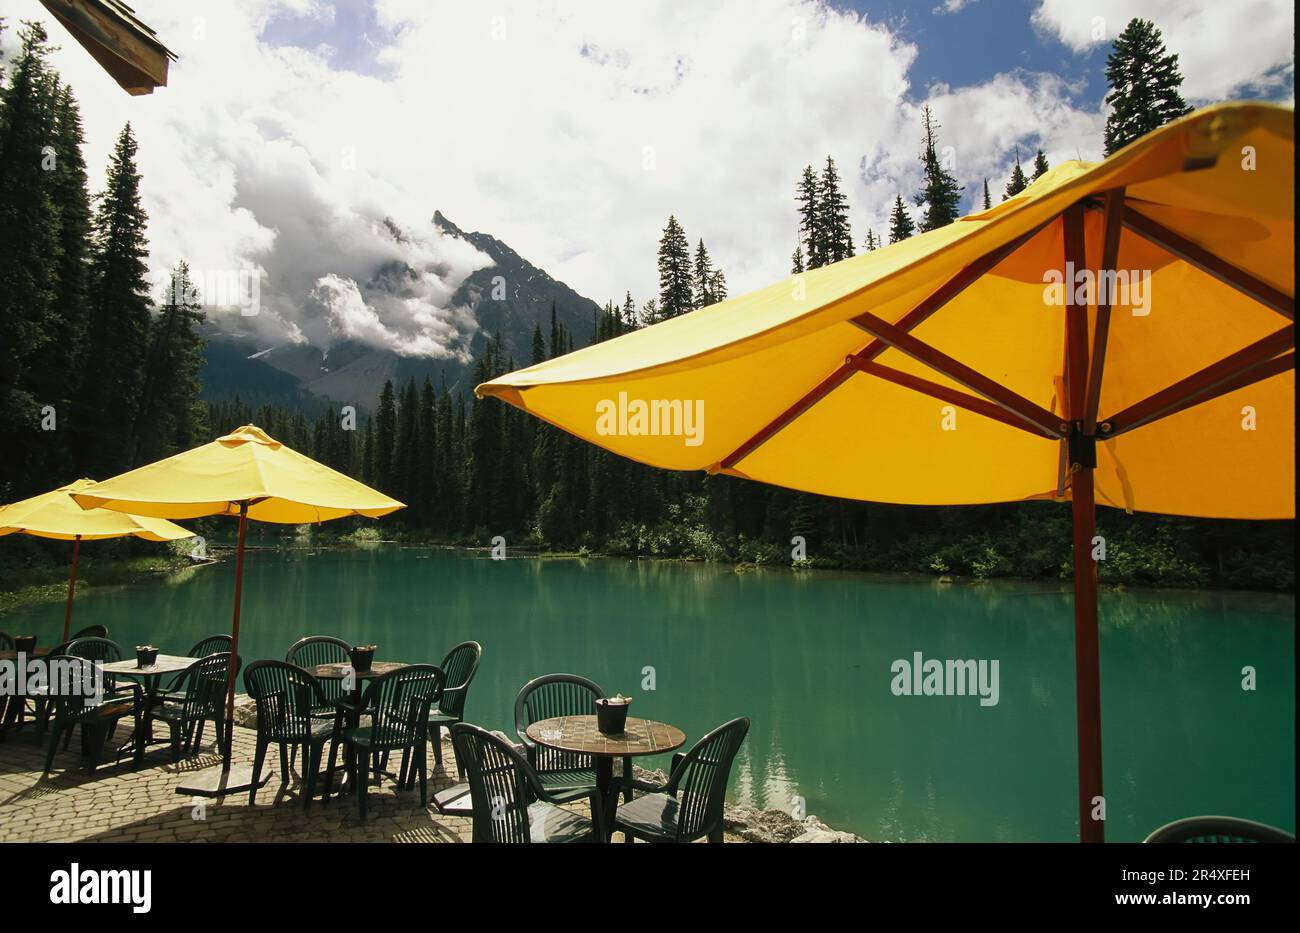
<point x="750" y="824"/>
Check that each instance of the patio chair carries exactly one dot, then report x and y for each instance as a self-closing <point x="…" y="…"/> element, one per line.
<point x="511" y="805"/>
<point x="1218" y="829"/>
<point x="91" y="631"/>
<point x="203" y="700"/>
<point x="286" y="695"/>
<point x="561" y="695"/>
<point x="689" y="806"/>
<point x="67" y="707"/>
<point x="322" y="649"/>
<point x="200" y="649"/>
<point x="460" y="665"/>
<point x="398" y="706"/>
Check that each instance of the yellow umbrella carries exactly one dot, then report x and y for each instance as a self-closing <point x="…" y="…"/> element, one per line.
<point x="246" y="473"/>
<point x="55" y="515"/>
<point x="965" y="365"/>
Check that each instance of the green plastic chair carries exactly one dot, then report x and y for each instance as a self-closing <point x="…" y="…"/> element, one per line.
<point x="315" y="650"/>
<point x="286" y="696"/>
<point x="689" y="806"/>
<point x="460" y="665"/>
<point x="561" y="695"/>
<point x="67" y="708"/>
<point x="398" y="706"/>
<point x="510" y="803"/>
<point x="203" y="700"/>
<point x="200" y="649"/>
<point x="1221" y="829"/>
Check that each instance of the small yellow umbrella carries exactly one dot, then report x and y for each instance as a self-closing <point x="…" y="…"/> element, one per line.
<point x="1119" y="332"/>
<point x="56" y="515"/>
<point x="246" y="473"/>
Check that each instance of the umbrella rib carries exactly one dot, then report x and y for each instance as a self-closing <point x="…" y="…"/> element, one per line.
<point x="943" y="393"/>
<point x="1109" y="260"/>
<point x="940" y="362"/>
<point x="937" y="299"/>
<point x="1212" y="265"/>
<point x="1247" y="366"/>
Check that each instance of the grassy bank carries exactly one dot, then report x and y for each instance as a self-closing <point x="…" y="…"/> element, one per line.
<point x="35" y="571"/>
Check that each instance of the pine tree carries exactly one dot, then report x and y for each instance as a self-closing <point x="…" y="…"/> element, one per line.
<point x="674" y="272"/>
<point x="988" y="202"/>
<point x="1144" y="81"/>
<point x="702" y="278"/>
<point x="539" y="345"/>
<point x="427" y="429"/>
<point x="406" y="445"/>
<point x="942" y="194"/>
<point x="118" y="326"/>
<point x="386" y="440"/>
<point x="52" y="374"/>
<point x="835" y="240"/>
<point x="796" y="261"/>
<point x="1040" y="166"/>
<point x="871" y="243"/>
<point x="1018" y="182"/>
<point x="368" y="454"/>
<point x="718" y="286"/>
<point x="29" y="251"/>
<point x="807" y="196"/>
<point x="168" y="418"/>
<point x="901" y="225"/>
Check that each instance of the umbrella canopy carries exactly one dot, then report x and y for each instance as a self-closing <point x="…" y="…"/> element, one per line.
<point x="56" y="514"/>
<point x="245" y="473"/>
<point x="277" y="483"/>
<point x="1119" y="331"/>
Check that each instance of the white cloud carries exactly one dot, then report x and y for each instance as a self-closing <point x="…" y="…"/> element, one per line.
<point x="570" y="132"/>
<point x="1223" y="48"/>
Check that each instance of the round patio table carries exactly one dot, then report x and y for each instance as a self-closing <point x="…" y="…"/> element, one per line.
<point x="579" y="734"/>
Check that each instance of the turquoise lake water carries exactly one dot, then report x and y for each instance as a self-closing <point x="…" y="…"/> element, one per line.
<point x="807" y="657"/>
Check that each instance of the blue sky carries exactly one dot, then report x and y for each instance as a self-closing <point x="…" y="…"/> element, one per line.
<point x="973" y="44"/>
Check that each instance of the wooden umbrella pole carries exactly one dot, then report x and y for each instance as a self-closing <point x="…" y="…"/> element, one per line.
<point x="72" y="587"/>
<point x="234" y="636"/>
<point x="1082" y="458"/>
<point x="1087" y="657"/>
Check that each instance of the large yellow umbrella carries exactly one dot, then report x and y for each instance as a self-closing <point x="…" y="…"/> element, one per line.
<point x="974" y="364"/>
<point x="246" y="473"/>
<point x="56" y="515"/>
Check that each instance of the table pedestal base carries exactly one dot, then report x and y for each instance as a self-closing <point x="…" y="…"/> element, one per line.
<point x="218" y="781"/>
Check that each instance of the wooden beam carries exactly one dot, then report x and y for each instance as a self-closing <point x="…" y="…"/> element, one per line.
<point x="811" y="398"/>
<point x="943" y="393"/>
<point x="1101" y="328"/>
<point x="1212" y="265"/>
<point x="962" y="374"/>
<point x="123" y="46"/>
<point x="1248" y="365"/>
<point x="950" y="289"/>
<point x="1076" y="316"/>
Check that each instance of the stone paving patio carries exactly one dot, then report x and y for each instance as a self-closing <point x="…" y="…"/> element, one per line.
<point x="118" y="804"/>
<point x="121" y="804"/>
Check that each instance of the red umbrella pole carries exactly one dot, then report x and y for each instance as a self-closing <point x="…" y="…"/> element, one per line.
<point x="234" y="637"/>
<point x="72" y="587"/>
<point x="1087" y="657"/>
